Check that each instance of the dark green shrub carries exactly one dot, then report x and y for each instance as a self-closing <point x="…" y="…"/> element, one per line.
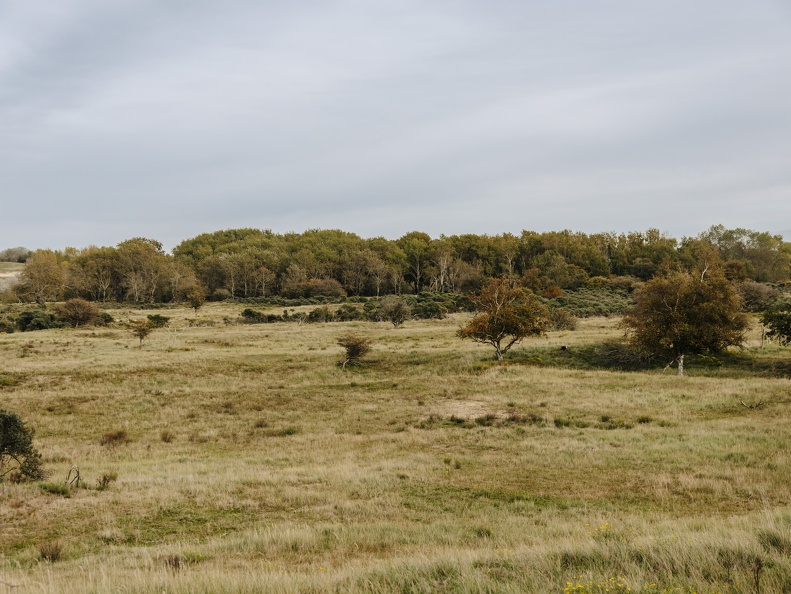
<point x="250" y="316"/>
<point x="18" y="458"/>
<point x="158" y="321"/>
<point x="7" y="324"/>
<point x="104" y="319"/>
<point x="778" y="319"/>
<point x="320" y="314"/>
<point x="36" y="319"/>
<point x="349" y="313"/>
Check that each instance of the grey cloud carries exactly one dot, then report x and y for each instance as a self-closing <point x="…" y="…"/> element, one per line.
<point x="171" y="119"/>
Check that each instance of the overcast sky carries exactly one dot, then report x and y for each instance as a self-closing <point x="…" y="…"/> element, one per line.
<point x="170" y="118"/>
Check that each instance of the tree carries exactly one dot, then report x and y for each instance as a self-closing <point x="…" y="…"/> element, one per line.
<point x="196" y="298"/>
<point x="140" y="329"/>
<point x="505" y="316"/>
<point x="77" y="312"/>
<point x="682" y="314"/>
<point x="18" y="457"/>
<point x="356" y="346"/>
<point x="395" y="310"/>
<point x="778" y="320"/>
<point x="43" y="277"/>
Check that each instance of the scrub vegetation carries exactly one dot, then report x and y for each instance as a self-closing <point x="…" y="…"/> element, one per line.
<point x="241" y="457"/>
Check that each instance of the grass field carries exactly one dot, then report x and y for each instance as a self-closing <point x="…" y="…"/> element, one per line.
<point x="248" y="461"/>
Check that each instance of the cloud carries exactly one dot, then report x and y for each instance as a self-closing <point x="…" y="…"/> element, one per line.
<point x="172" y="119"/>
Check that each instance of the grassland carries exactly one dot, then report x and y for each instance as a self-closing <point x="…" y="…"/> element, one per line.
<point x="248" y="461"/>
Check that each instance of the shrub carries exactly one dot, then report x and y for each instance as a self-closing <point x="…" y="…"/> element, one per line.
<point x="315" y="287"/>
<point x="320" y="314"/>
<point x="140" y="329"/>
<point x="112" y="438"/>
<point x="756" y="296"/>
<point x="104" y="319"/>
<point x="221" y="295"/>
<point x="158" y="321"/>
<point x="50" y="551"/>
<point x="37" y="319"/>
<point x="356" y="347"/>
<point x="250" y="316"/>
<point x="56" y="489"/>
<point x="106" y="480"/>
<point x="76" y="312"/>
<point x="562" y="319"/>
<point x="778" y="319"/>
<point x="18" y="458"/>
<point x="349" y="313"/>
<point x="167" y="436"/>
<point x="395" y="310"/>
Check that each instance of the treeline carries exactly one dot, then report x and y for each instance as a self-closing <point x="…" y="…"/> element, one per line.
<point x="254" y="263"/>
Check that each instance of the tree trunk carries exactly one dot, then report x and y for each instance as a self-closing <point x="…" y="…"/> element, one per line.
<point x="680" y="365"/>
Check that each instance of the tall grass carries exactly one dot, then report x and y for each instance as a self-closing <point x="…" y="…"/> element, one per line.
<point x="428" y="468"/>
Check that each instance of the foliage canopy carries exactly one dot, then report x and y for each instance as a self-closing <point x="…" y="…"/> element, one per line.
<point x="18" y="457"/>
<point x="778" y="319"/>
<point x="506" y="315"/>
<point x="682" y="314"/>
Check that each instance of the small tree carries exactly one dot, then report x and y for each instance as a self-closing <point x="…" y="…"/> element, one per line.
<point x="505" y="316"/>
<point x="140" y="329"/>
<point x="681" y="314"/>
<point x="778" y="319"/>
<point x="356" y="346"/>
<point x="395" y="310"/>
<point x="77" y="312"/>
<point x="196" y="299"/>
<point x="18" y="457"/>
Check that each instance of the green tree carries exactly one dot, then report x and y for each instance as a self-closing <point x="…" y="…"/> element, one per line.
<point x="682" y="314"/>
<point x="18" y="457"/>
<point x="778" y="319"/>
<point x="505" y="316"/>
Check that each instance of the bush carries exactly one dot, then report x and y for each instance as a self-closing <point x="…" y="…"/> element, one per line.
<point x="76" y="312"/>
<point x="250" y="316"/>
<point x="349" y="313"/>
<point x="356" y="346"/>
<point x="158" y="321"/>
<point x="315" y="287"/>
<point x="104" y="319"/>
<point x="562" y="319"/>
<point x="587" y="302"/>
<point x="50" y="551"/>
<point x="778" y="319"/>
<point x="756" y="296"/>
<point x="18" y="458"/>
<point x="36" y="319"/>
<point x="320" y="314"/>
<point x="395" y="310"/>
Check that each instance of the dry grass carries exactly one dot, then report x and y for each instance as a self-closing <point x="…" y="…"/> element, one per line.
<point x="427" y="468"/>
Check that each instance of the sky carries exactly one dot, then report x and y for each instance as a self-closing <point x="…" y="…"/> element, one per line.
<point x="170" y="118"/>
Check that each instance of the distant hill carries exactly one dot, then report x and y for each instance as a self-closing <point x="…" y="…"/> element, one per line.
<point x="9" y="274"/>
